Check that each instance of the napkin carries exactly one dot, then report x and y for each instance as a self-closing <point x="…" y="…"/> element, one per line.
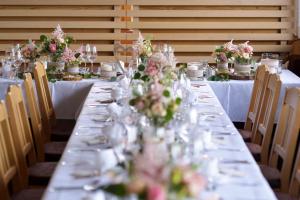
<point x="116" y="133"/>
<point x="115" y="110"/>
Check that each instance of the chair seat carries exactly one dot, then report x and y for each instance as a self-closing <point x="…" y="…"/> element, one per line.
<point x="54" y="150"/>
<point x="272" y="175"/>
<point x="29" y="194"/>
<point x="62" y="130"/>
<point x="255" y="150"/>
<point x="40" y="173"/>
<point x="245" y="134"/>
<point x="284" y="196"/>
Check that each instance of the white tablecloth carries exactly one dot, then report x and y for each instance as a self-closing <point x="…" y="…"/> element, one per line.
<point x="234" y="95"/>
<point x="248" y="183"/>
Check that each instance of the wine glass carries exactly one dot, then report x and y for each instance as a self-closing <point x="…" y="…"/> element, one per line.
<point x="93" y="57"/>
<point x="86" y="49"/>
<point x="17" y="60"/>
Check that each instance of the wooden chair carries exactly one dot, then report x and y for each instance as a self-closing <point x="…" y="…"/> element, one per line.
<point x="263" y="131"/>
<point x="258" y="90"/>
<point x="294" y="190"/>
<point x="285" y="141"/>
<point x="39" y="172"/>
<point x="52" y="150"/>
<point x="9" y="167"/>
<point x="61" y="129"/>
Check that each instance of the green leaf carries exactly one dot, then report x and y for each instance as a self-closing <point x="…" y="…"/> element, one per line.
<point x="137" y="75"/>
<point x="117" y="189"/>
<point x="178" y="101"/>
<point x="43" y="38"/>
<point x="141" y="67"/>
<point x="166" y="93"/>
<point x="145" y="78"/>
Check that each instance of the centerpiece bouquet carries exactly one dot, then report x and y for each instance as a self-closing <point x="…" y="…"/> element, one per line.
<point x="56" y="44"/>
<point x="30" y="51"/>
<point x="243" y="58"/>
<point x="152" y="64"/>
<point x="157" y="104"/>
<point x="72" y="60"/>
<point x="153" y="177"/>
<point x="223" y="55"/>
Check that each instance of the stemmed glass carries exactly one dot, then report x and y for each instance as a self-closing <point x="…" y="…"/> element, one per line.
<point x="86" y="51"/>
<point x="93" y="57"/>
<point x="17" y="60"/>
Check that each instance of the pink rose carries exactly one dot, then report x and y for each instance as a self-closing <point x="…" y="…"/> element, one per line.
<point x="156" y="192"/>
<point x="140" y="105"/>
<point x="52" y="47"/>
<point x="151" y="69"/>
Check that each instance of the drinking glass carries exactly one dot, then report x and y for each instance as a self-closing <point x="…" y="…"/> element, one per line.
<point x="17" y="60"/>
<point x="93" y="57"/>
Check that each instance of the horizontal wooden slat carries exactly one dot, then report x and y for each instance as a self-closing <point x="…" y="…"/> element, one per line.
<point x="64" y="24"/>
<point x="219" y="36"/>
<point x="62" y="2"/>
<point x="210" y="13"/>
<point x="210" y="2"/>
<point x="77" y="36"/>
<point x="100" y="47"/>
<point x="61" y="13"/>
<point x="206" y="48"/>
<point x="209" y="25"/>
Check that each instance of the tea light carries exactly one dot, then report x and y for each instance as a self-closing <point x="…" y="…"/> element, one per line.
<point x="192" y="67"/>
<point x="107" y="68"/>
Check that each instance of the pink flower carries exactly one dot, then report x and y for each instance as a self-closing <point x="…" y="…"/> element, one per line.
<point x="52" y="47"/>
<point x="195" y="182"/>
<point x="140" y="105"/>
<point x="58" y="34"/>
<point x="152" y="68"/>
<point x="156" y="192"/>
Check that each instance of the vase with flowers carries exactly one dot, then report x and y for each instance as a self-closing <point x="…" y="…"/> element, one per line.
<point x="243" y="59"/>
<point x="72" y="60"/>
<point x="223" y="55"/>
<point x="31" y="53"/>
<point x="54" y="47"/>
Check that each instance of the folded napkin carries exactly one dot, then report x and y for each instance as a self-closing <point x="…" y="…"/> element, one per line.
<point x="115" y="110"/>
<point x="116" y="133"/>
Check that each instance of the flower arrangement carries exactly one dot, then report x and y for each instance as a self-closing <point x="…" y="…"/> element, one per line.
<point x="56" y="44"/>
<point x="71" y="57"/>
<point x="153" y="65"/>
<point x="30" y="51"/>
<point x="244" y="53"/>
<point x="153" y="177"/>
<point x="225" y="53"/>
<point x="157" y="104"/>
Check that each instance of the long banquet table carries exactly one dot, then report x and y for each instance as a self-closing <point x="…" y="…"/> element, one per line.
<point x="236" y="180"/>
<point x="234" y="95"/>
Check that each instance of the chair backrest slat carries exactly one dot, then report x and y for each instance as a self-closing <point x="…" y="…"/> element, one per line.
<point x="286" y="135"/>
<point x="44" y="96"/>
<point x="256" y="96"/>
<point x="20" y="128"/>
<point x="264" y="128"/>
<point x="35" y="116"/>
<point x="9" y="169"/>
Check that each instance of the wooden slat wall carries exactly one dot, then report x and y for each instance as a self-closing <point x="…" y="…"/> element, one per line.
<point x="88" y="21"/>
<point x="193" y="27"/>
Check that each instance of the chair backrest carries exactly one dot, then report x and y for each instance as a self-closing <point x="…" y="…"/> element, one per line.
<point x="286" y="135"/>
<point x="8" y="161"/>
<point x="263" y="129"/>
<point x="295" y="180"/>
<point x="35" y="117"/>
<point x="45" y="102"/>
<point x="256" y="97"/>
<point x="20" y="128"/>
